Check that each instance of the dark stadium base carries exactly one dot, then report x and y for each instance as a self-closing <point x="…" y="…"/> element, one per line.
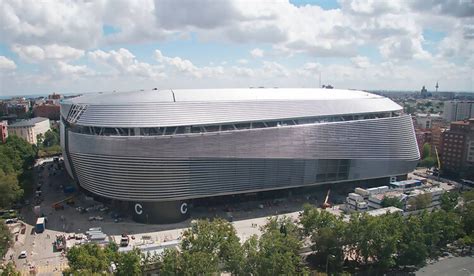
<point x="177" y="211"/>
<point x="159" y="212"/>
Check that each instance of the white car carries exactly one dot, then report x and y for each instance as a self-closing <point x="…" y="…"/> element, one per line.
<point x="22" y="255"/>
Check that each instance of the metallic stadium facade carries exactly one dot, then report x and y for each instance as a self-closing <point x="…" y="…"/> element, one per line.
<point x="159" y="149"/>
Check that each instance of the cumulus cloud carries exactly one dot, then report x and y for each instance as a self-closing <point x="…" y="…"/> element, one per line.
<point x="124" y="62"/>
<point x="361" y="62"/>
<point x="256" y="53"/>
<point x="275" y="69"/>
<point x="34" y="53"/>
<point x="186" y="66"/>
<point x="75" y="23"/>
<point x="72" y="70"/>
<point x="56" y="36"/>
<point x="242" y="61"/>
<point x="7" y="64"/>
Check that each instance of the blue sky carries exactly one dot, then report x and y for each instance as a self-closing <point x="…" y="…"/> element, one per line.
<point x="75" y="46"/>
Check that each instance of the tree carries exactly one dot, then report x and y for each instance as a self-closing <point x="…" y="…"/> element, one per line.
<point x="88" y="257"/>
<point x="129" y="263"/>
<point x="51" y="138"/>
<point x="10" y="190"/>
<point x="250" y="249"/>
<point x="218" y="239"/>
<point x="449" y="200"/>
<point x="5" y="238"/>
<point x="278" y="251"/>
<point x="313" y="219"/>
<point x="411" y="249"/>
<point x="171" y="262"/>
<point x="9" y="270"/>
<point x="440" y="228"/>
<point x="419" y="202"/>
<point x="388" y="201"/>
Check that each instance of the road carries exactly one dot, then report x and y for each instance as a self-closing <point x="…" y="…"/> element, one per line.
<point x="457" y="266"/>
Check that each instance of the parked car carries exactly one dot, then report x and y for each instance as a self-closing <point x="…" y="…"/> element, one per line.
<point x="22" y="255"/>
<point x="12" y="220"/>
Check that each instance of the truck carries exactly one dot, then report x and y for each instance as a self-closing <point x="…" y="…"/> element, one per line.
<point x="40" y="225"/>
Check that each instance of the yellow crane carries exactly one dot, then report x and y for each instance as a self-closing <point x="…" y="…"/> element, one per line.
<point x="439" y="163"/>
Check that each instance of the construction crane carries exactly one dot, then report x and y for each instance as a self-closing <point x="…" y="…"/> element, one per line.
<point x="326" y="204"/>
<point x="439" y="163"/>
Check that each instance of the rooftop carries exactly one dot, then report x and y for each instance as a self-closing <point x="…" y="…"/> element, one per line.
<point x="204" y="95"/>
<point x="29" y="122"/>
<point x="383" y="211"/>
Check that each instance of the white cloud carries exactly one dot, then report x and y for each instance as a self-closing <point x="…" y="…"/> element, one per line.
<point x="274" y="69"/>
<point x="30" y="53"/>
<point x="403" y="48"/>
<point x="242" y="61"/>
<point x="124" y="62"/>
<point x="243" y="71"/>
<point x="310" y="69"/>
<point x="186" y="66"/>
<point x="37" y="22"/>
<point x="34" y="53"/>
<point x="361" y="62"/>
<point x="7" y="64"/>
<point x="257" y="53"/>
<point x="72" y="70"/>
<point x="54" y="36"/>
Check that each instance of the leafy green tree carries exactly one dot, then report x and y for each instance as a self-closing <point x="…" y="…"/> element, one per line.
<point x="10" y="190"/>
<point x="449" y="200"/>
<point x="199" y="263"/>
<point x="40" y="139"/>
<point x="88" y="257"/>
<point x="278" y="248"/>
<point x="419" y="202"/>
<point x="9" y="270"/>
<point x="440" y="228"/>
<point x="51" y="138"/>
<point x="250" y="249"/>
<point x="129" y="263"/>
<point x="313" y="219"/>
<point x="411" y="248"/>
<point x="218" y="239"/>
<point x="388" y="201"/>
<point x="467" y="215"/>
<point x="171" y="262"/>
<point x="5" y="238"/>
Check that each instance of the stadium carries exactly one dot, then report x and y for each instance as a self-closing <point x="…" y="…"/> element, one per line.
<point x="158" y="150"/>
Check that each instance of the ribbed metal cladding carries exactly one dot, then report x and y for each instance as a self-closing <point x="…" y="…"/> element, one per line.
<point x="201" y="165"/>
<point x="201" y="113"/>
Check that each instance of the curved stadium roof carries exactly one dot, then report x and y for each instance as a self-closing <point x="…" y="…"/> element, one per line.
<point x="215" y="106"/>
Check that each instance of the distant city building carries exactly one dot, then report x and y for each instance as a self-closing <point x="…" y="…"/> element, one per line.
<point x="422" y="137"/>
<point x="3" y="131"/>
<point x="425" y="121"/>
<point x="424" y="93"/>
<point x="29" y="129"/>
<point x="458" y="146"/>
<point x="18" y="108"/>
<point x="55" y="96"/>
<point x="47" y="110"/>
<point x="458" y="110"/>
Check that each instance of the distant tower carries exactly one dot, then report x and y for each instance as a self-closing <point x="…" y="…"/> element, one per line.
<point x="424" y="92"/>
<point x="437" y="86"/>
